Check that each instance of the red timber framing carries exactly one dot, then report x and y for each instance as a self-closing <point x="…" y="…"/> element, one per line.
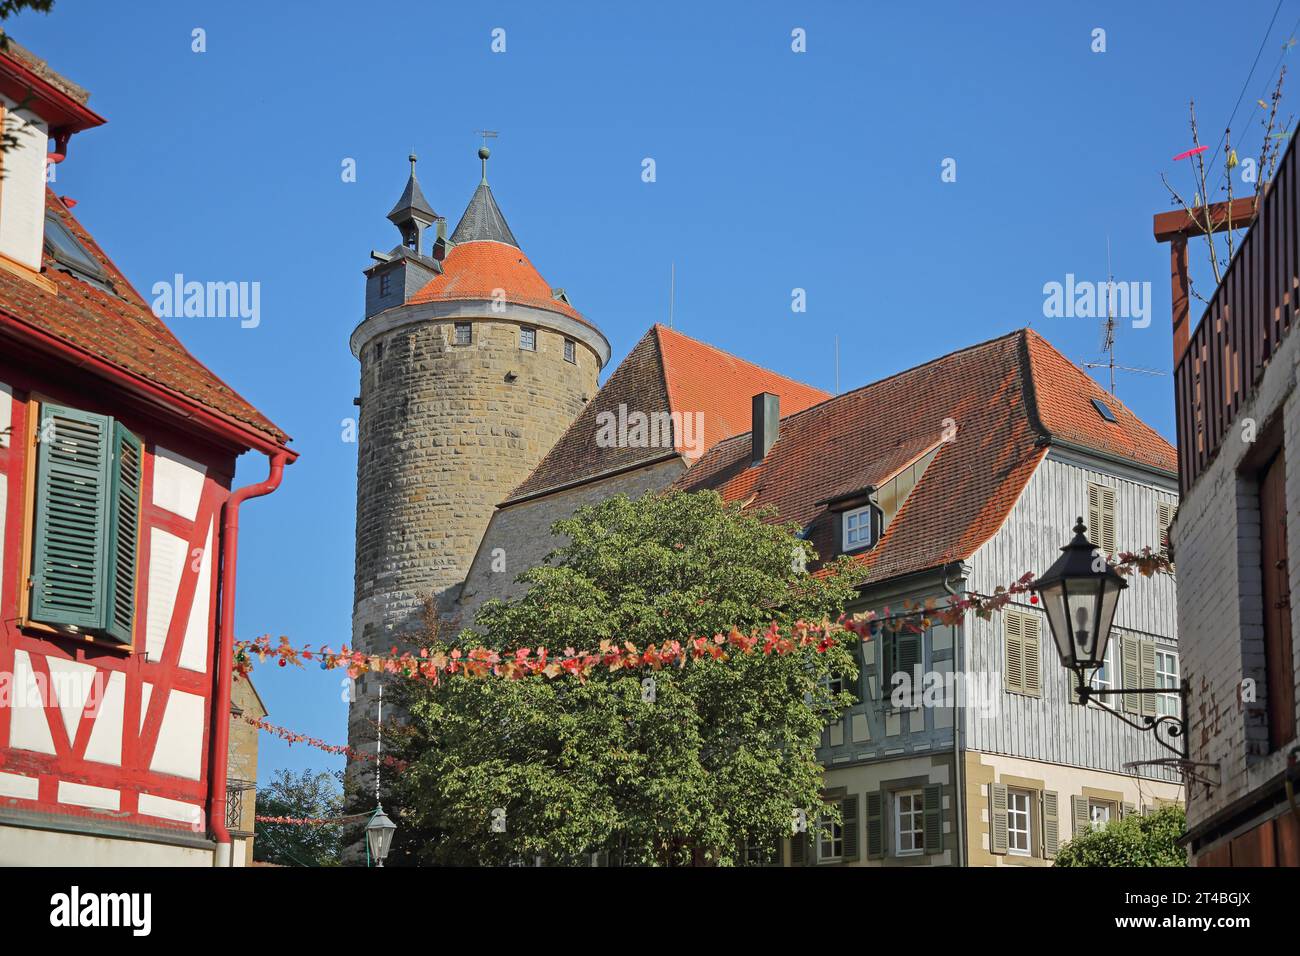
<point x="1217" y="366"/>
<point x="142" y="722"/>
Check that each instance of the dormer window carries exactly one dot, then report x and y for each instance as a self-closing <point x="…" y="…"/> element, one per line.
<point x="857" y="528"/>
<point x="385" y="285"/>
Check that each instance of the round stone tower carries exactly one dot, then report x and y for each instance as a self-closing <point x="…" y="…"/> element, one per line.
<point x="472" y="366"/>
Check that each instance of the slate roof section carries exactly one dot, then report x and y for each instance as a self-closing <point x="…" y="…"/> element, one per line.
<point x="665" y="372"/>
<point x="482" y="221"/>
<point x="412" y="201"/>
<point x="1003" y="395"/>
<point x="121" y="330"/>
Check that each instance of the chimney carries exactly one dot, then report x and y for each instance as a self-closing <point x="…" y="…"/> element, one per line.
<point x="767" y="424"/>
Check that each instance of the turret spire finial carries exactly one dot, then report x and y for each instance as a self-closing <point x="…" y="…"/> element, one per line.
<point x="483" y="152"/>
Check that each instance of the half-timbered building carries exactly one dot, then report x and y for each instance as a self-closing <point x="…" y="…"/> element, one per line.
<point x="118" y="524"/>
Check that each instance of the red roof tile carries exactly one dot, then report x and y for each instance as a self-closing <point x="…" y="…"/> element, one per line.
<point x="995" y="392"/>
<point x="475" y="270"/>
<point x="121" y="330"/>
<point x="665" y="372"/>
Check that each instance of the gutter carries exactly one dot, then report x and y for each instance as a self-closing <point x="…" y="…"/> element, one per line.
<point x="218" y="754"/>
<point x="959" y="792"/>
<point x="241" y="434"/>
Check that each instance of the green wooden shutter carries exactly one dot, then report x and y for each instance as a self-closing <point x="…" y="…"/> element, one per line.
<point x="1031" y="677"/>
<point x="799" y="849"/>
<point x="123" y="534"/>
<point x="909" y="657"/>
<point x="1147" y="674"/>
<point x="997" y="818"/>
<point x="933" y="818"/>
<point x="69" y="549"/>
<point x="1015" y="652"/>
<point x="1051" y="824"/>
<point x="851" y="827"/>
<point x="1130" y="673"/>
<point x="1079" y="813"/>
<point x="875" y="825"/>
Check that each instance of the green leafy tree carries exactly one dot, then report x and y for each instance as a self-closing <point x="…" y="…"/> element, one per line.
<point x="692" y="766"/>
<point x="1135" y="840"/>
<point x="303" y="796"/>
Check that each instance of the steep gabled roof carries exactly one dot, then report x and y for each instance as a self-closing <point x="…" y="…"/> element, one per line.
<point x="1000" y="395"/>
<point x="119" y="329"/>
<point x="665" y="372"/>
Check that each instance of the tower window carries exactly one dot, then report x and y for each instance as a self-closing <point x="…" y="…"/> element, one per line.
<point x="528" y="339"/>
<point x="385" y="284"/>
<point x="570" y="352"/>
<point x="464" y="333"/>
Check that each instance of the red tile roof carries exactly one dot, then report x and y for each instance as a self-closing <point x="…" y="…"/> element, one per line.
<point x="665" y="372"/>
<point x="475" y="270"/>
<point x="704" y="379"/>
<point x="120" y="330"/>
<point x="1000" y="394"/>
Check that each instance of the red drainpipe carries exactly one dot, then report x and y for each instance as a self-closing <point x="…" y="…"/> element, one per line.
<point x="225" y="646"/>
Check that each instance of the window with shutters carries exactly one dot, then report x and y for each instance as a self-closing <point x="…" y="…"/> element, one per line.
<point x="1022" y="661"/>
<point x="909" y="822"/>
<point x="1100" y="813"/>
<point x="1137" y="669"/>
<point x="85" y="539"/>
<point x="1101" y="518"/>
<point x="1019" y="823"/>
<point x="830" y="841"/>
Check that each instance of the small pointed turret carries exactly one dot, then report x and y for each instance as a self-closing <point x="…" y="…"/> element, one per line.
<point x="412" y="214"/>
<point x="482" y="219"/>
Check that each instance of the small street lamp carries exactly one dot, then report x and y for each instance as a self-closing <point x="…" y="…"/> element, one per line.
<point x="1079" y="594"/>
<point x="379" y="835"/>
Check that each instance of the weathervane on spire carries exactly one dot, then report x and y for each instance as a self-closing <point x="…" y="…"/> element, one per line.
<point x="483" y="151"/>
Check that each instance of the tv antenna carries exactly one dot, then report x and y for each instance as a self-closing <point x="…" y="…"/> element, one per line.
<point x="1108" y="335"/>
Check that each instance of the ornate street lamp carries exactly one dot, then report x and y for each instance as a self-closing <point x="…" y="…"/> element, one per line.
<point x="1079" y="594"/>
<point x="379" y="835"/>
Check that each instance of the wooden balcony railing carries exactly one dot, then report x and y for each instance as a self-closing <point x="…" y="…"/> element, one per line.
<point x="1252" y="310"/>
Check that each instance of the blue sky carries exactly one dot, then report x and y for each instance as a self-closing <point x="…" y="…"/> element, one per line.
<point x="775" y="171"/>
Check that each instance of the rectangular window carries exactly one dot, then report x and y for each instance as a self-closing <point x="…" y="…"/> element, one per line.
<point x="464" y="333"/>
<point x="1100" y="813"/>
<point x="1167" y="676"/>
<point x="85" y="537"/>
<point x="1103" y="677"/>
<point x="1019" y="822"/>
<point x="1101" y="518"/>
<point x="909" y="823"/>
<point x="830" y="841"/>
<point x="528" y="339"/>
<point x="385" y="284"/>
<point x="857" y="528"/>
<point x="570" y="351"/>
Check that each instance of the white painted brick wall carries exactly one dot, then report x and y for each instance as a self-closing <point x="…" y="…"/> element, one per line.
<point x="1220" y="614"/>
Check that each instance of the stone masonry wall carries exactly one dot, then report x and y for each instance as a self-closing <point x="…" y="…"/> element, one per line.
<point x="522" y="532"/>
<point x="444" y="436"/>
